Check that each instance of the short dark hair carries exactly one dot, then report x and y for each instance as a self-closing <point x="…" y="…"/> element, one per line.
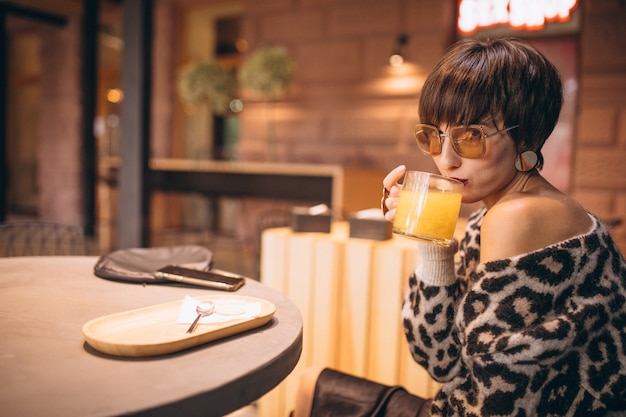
<point x="507" y="77"/>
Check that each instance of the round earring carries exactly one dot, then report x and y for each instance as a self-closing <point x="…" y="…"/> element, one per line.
<point x="526" y="161"/>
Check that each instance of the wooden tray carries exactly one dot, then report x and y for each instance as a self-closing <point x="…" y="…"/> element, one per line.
<point x="153" y="330"/>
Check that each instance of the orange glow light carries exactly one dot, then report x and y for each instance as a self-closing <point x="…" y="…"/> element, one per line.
<point x="115" y="95"/>
<point x="518" y="14"/>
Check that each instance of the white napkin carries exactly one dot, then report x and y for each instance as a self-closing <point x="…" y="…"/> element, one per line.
<point x="372" y="213"/>
<point x="318" y="209"/>
<point x="226" y="309"/>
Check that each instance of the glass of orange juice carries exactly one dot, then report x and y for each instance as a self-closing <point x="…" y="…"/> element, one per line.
<point x="428" y="207"/>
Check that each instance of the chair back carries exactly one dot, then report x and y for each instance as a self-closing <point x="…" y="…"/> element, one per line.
<point x="36" y="238"/>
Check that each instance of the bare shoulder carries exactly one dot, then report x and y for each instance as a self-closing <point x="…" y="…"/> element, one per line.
<point x="525" y="223"/>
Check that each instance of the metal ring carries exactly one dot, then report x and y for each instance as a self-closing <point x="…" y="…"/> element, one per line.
<point x="383" y="207"/>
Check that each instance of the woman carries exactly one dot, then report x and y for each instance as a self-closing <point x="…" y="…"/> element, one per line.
<point x="531" y="320"/>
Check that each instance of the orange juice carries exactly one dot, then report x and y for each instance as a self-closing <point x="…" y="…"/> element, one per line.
<point x="429" y="215"/>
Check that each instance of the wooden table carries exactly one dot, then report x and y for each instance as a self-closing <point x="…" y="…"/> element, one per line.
<point x="47" y="369"/>
<point x="350" y="293"/>
<point x="306" y="182"/>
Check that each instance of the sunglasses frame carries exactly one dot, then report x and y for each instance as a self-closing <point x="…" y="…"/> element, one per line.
<point x="419" y="127"/>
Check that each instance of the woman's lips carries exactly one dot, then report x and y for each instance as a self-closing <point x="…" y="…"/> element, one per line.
<point x="461" y="180"/>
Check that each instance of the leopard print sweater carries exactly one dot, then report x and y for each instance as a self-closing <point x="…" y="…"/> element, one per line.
<point x="539" y="334"/>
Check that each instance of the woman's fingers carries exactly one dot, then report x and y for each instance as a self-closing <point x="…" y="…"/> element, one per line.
<point x="393" y="177"/>
<point x="391" y="191"/>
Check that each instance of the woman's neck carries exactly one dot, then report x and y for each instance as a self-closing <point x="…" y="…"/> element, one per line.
<point x="522" y="182"/>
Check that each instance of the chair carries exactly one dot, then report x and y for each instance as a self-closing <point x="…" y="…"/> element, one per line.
<point x="36" y="238"/>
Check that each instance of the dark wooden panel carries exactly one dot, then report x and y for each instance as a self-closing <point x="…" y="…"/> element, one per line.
<point x="290" y="187"/>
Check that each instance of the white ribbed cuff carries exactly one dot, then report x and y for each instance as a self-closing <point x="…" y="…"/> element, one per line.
<point x="436" y="264"/>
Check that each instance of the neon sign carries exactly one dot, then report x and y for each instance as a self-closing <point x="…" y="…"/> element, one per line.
<point x="518" y="14"/>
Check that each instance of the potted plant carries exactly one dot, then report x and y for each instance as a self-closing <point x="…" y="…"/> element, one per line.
<point x="208" y="82"/>
<point x="269" y="71"/>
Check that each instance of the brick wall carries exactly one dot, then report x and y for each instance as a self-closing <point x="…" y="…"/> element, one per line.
<point x="599" y="168"/>
<point x="59" y="157"/>
<point x="348" y="107"/>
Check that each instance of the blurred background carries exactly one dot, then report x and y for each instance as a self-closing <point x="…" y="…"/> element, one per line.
<point x="97" y="94"/>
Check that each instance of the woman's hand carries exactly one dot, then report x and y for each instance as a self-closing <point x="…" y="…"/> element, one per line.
<point x="391" y="192"/>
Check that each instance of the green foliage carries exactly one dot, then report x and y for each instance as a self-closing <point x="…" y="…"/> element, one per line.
<point x="208" y="82"/>
<point x="268" y="71"/>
